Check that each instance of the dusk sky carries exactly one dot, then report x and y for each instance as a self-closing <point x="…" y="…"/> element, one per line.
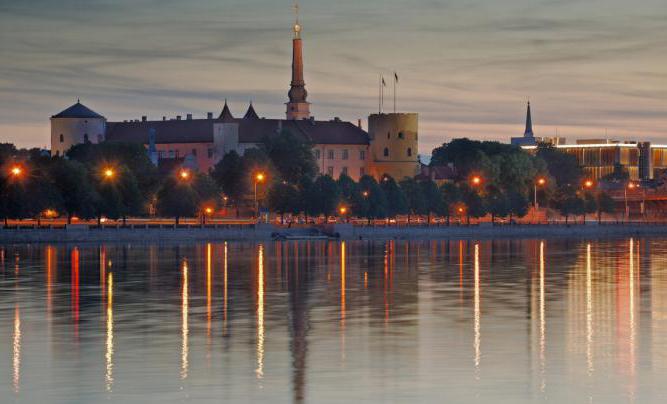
<point x="467" y="67"/>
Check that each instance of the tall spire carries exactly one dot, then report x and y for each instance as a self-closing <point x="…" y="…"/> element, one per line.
<point x="297" y="107"/>
<point x="529" y="123"/>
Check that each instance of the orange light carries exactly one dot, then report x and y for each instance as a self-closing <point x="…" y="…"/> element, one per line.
<point x="208" y="211"/>
<point x="184" y="174"/>
<point x="541" y="181"/>
<point x="109" y="173"/>
<point x="476" y="180"/>
<point x="260" y="177"/>
<point x="461" y="210"/>
<point x="50" y="213"/>
<point x="365" y="194"/>
<point x="588" y="184"/>
<point x="16" y="171"/>
<point x="342" y="210"/>
<point x="632" y="185"/>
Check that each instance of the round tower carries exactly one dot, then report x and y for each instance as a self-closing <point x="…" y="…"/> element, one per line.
<point x="394" y="145"/>
<point x="75" y="125"/>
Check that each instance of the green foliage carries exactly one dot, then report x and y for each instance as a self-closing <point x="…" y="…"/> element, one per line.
<point x="451" y="195"/>
<point x="473" y="202"/>
<point x="417" y="203"/>
<point x="620" y="174"/>
<point x="518" y="204"/>
<point x="465" y="154"/>
<point x="496" y="203"/>
<point x="562" y="167"/>
<point x="208" y="192"/>
<point x="397" y="202"/>
<point x="177" y="199"/>
<point x="231" y="176"/>
<point x="284" y="198"/>
<point x="372" y="204"/>
<point x="291" y="155"/>
<point x="434" y="203"/>
<point x="79" y="196"/>
<point x="322" y="197"/>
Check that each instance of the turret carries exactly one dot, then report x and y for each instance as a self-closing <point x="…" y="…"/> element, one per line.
<point x="75" y="125"/>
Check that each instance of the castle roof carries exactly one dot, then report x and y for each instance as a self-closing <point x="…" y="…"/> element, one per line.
<point x="226" y="114"/>
<point x="78" y="110"/>
<point x="251" y="114"/>
<point x="250" y="130"/>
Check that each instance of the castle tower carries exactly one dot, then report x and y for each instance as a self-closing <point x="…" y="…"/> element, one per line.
<point x="297" y="107"/>
<point x="393" y="145"/>
<point x="75" y="125"/>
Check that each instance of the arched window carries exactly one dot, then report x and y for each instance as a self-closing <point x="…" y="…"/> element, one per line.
<point x="386" y="152"/>
<point x="409" y="151"/>
<point x="85" y="138"/>
<point x="62" y="138"/>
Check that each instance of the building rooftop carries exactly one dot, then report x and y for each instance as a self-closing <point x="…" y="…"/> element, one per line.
<point x="78" y="110"/>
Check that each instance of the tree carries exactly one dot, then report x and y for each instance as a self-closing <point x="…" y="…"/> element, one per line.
<point x="370" y="202"/>
<point x="291" y="155"/>
<point x="73" y="183"/>
<point x="416" y="201"/>
<point x="208" y="192"/>
<point x="620" y="174"/>
<point x="496" y="203"/>
<point x="465" y="154"/>
<point x="284" y="198"/>
<point x="569" y="203"/>
<point x="590" y="204"/>
<point x="177" y="199"/>
<point x="230" y="175"/>
<point x="473" y="201"/>
<point x="518" y="204"/>
<point x="434" y="202"/>
<point x="561" y="166"/>
<point x="605" y="204"/>
<point x="323" y="196"/>
<point x="451" y="195"/>
<point x="397" y="202"/>
<point x="348" y="189"/>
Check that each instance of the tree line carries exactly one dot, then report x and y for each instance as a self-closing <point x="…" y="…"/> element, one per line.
<point x="117" y="180"/>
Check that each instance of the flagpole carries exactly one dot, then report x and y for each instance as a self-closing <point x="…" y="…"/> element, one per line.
<point x="395" y="75"/>
<point x="380" y="94"/>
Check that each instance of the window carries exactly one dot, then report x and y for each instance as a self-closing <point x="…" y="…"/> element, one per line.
<point x="345" y="154"/>
<point x="330" y="171"/>
<point x="194" y="152"/>
<point x="386" y="152"/>
<point x="62" y="138"/>
<point x="362" y="154"/>
<point x="331" y="154"/>
<point x="409" y="151"/>
<point x="210" y="153"/>
<point x="171" y="154"/>
<point x="344" y="171"/>
<point x="85" y="138"/>
<point x="388" y="135"/>
<point x="401" y="135"/>
<point x="362" y="172"/>
<point x="317" y="154"/>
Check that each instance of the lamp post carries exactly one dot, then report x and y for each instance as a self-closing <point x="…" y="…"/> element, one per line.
<point x="631" y="185"/>
<point x="184" y="174"/>
<point x="16" y="171"/>
<point x="540" y="181"/>
<point x="476" y="180"/>
<point x="259" y="177"/>
<point x="109" y="173"/>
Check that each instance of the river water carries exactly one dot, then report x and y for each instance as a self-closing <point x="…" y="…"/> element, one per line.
<point x="497" y="321"/>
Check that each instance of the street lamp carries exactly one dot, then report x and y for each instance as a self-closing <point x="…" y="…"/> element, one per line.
<point x="631" y="186"/>
<point x="109" y="173"/>
<point x="184" y="174"/>
<point x="365" y="194"/>
<point x="541" y="181"/>
<point x="476" y="180"/>
<point x="16" y="171"/>
<point x="259" y="177"/>
<point x="208" y="211"/>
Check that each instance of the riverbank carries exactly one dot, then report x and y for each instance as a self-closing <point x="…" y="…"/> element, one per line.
<point x="263" y="232"/>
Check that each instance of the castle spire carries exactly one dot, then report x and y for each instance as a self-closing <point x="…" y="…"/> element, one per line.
<point x="297" y="107"/>
<point x="529" y="123"/>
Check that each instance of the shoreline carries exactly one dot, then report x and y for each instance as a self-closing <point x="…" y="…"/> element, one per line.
<point x="339" y="231"/>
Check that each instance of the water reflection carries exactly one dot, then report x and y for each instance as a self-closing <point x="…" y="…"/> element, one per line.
<point x="402" y="323"/>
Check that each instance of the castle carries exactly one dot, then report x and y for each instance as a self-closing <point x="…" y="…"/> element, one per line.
<point x="389" y="147"/>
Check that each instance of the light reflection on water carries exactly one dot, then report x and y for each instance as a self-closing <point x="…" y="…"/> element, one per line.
<point x="427" y="321"/>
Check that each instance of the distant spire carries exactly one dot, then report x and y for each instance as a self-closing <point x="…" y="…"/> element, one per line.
<point x="226" y="114"/>
<point x="529" y="123"/>
<point x="297" y="107"/>
<point x="251" y="114"/>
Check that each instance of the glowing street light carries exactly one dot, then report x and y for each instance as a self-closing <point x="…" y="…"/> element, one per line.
<point x="109" y="173"/>
<point x="631" y="186"/>
<point x="184" y="174"/>
<point x="588" y="184"/>
<point x="541" y="181"/>
<point x="259" y="177"/>
<point x="365" y="194"/>
<point x="476" y="180"/>
<point x="342" y="210"/>
<point x="16" y="171"/>
<point x="208" y="211"/>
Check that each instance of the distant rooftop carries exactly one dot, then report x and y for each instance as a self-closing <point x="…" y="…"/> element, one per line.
<point x="78" y="110"/>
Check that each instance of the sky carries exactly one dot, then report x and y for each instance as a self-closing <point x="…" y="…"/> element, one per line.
<point x="591" y="68"/>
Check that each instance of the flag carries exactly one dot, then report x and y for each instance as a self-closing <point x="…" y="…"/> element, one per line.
<point x="384" y="84"/>
<point x="395" y="77"/>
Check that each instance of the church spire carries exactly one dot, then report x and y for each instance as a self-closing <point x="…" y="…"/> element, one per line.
<point x="297" y="107"/>
<point x="529" y="123"/>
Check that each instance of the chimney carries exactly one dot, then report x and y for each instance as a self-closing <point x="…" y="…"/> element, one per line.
<point x="164" y="118"/>
<point x="144" y="118"/>
<point x="189" y="117"/>
<point x="209" y="115"/>
<point x="178" y="117"/>
<point x="359" y="123"/>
